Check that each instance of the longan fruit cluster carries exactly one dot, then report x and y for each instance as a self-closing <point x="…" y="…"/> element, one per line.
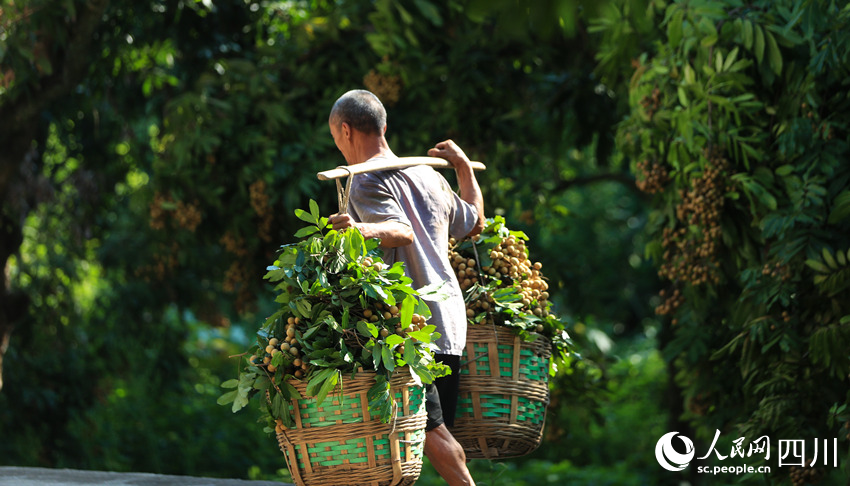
<point x="777" y="270"/>
<point x="386" y="87"/>
<point x="235" y="275"/>
<point x="806" y="475"/>
<point x="370" y="262"/>
<point x="384" y="312"/>
<point x="672" y="301"/>
<point x="464" y="269"/>
<point x="700" y="404"/>
<point x="157" y="213"/>
<point x="651" y="103"/>
<point x="510" y="265"/>
<point x="653" y="177"/>
<point x="188" y="216"/>
<point x="689" y="256"/>
<point x="287" y="344"/>
<point x="234" y="245"/>
<point x="165" y="260"/>
<point x="260" y="203"/>
<point x="7" y="78"/>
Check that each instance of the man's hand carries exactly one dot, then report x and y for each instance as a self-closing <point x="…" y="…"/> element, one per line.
<point x="342" y="221"/>
<point x="450" y="151"/>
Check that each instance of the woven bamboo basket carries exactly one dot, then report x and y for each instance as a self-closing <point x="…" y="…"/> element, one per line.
<point x="340" y="443"/>
<point x="504" y="392"/>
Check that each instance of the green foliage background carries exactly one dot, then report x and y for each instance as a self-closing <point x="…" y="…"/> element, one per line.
<point x="154" y="152"/>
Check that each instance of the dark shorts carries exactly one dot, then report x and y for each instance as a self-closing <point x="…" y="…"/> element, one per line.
<point x="441" y="396"/>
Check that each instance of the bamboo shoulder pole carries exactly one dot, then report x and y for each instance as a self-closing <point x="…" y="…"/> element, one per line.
<point x="386" y="164"/>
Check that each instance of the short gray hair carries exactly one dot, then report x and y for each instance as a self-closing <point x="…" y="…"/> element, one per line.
<point x="362" y="110"/>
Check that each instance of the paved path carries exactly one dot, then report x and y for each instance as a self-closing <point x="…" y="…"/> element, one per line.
<point x="34" y="476"/>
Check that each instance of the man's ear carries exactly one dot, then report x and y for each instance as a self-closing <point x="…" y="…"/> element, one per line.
<point x="346" y="130"/>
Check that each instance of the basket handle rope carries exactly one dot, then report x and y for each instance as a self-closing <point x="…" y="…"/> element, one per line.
<point x="481" y="281"/>
<point x="342" y="194"/>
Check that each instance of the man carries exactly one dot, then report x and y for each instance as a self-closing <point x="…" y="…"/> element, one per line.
<point x="413" y="211"/>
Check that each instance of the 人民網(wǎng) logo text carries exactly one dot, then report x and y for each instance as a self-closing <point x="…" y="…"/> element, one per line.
<point x="792" y="452"/>
<point x="668" y="457"/>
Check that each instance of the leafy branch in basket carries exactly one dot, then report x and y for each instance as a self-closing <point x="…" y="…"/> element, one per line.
<point x="342" y="311"/>
<point x="503" y="287"/>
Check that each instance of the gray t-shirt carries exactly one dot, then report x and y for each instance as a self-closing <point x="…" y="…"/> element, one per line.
<point x="421" y="198"/>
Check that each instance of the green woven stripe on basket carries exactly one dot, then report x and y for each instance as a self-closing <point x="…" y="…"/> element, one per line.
<point x="416" y="400"/>
<point x="533" y="367"/>
<point x="499" y="406"/>
<point x="482" y="364"/>
<point x="495" y="406"/>
<point x="330" y="413"/>
<point x="531" y="411"/>
<point x="354" y="451"/>
<point x="382" y="448"/>
<point x="464" y="407"/>
<point x="417" y="445"/>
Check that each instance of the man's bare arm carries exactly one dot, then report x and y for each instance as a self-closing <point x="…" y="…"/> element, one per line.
<point x="391" y="233"/>
<point x="469" y="189"/>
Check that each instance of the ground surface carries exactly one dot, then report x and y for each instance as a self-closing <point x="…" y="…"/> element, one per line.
<point x="33" y="476"/>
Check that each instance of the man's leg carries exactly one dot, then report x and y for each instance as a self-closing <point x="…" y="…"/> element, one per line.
<point x="444" y="452"/>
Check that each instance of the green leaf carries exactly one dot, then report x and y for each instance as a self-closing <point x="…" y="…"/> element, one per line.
<point x="305" y="216"/>
<point x="227" y="397"/>
<point x="262" y="382"/>
<point x="367" y="329"/>
<point x="429" y="11"/>
<point x="328" y="385"/>
<point x="674" y="27"/>
<point x="774" y="55"/>
<point x="407" y="307"/>
<point x="829" y="259"/>
<point x="748" y="34"/>
<point x="377" y="353"/>
<point x="346" y="317"/>
<point x="690" y="75"/>
<point x="683" y="97"/>
<point x="239" y="403"/>
<point x="817" y="266"/>
<point x="314" y="211"/>
<point x="306" y="231"/>
<point x="409" y="352"/>
<point x="393" y="340"/>
<point x="840" y="209"/>
<point x="290" y="391"/>
<point x="379" y="398"/>
<point x="730" y="59"/>
<point x="420" y="335"/>
<point x="309" y="332"/>
<point x="387" y="358"/>
<point x="784" y="170"/>
<point x="759" y="44"/>
<point x="230" y="383"/>
<point x="318" y="380"/>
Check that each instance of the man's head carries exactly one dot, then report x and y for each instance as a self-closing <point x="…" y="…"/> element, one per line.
<point x="361" y="110"/>
<point x="358" y="122"/>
